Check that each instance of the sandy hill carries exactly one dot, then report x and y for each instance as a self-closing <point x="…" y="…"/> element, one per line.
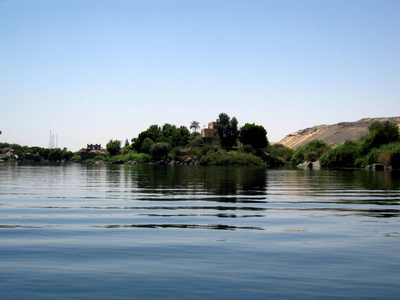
<point x="333" y="134"/>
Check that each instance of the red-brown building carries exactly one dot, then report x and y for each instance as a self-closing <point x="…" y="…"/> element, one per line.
<point x="210" y="134"/>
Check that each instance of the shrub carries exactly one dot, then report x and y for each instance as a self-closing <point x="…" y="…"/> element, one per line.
<point x="281" y="152"/>
<point x="298" y="156"/>
<point x="379" y="134"/>
<point x="176" y="152"/>
<point x="66" y="155"/>
<point x="146" y="145"/>
<point x="312" y="151"/>
<point x="113" y="147"/>
<point x="160" y="150"/>
<point x="55" y="154"/>
<point x="389" y="154"/>
<point x="344" y="155"/>
<point x="247" y="149"/>
<point x="222" y="157"/>
<point x="196" y="141"/>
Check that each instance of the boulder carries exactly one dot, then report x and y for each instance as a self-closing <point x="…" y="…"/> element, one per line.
<point x="85" y="154"/>
<point x="305" y="165"/>
<point x="379" y="167"/>
<point x="316" y="165"/>
<point x="388" y="167"/>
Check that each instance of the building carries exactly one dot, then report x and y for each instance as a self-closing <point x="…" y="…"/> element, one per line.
<point x="210" y="134"/>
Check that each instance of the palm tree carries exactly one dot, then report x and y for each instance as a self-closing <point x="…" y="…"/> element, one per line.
<point x="195" y="125"/>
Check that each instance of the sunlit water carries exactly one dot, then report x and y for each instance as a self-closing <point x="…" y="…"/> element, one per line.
<point x="156" y="232"/>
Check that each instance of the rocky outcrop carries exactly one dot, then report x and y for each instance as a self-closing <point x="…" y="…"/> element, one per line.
<point x="333" y="134"/>
<point x="9" y="154"/>
<point x="88" y="154"/>
<point x="316" y="165"/>
<point x="379" y="167"/>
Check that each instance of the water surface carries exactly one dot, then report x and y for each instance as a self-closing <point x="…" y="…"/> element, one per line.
<point x="132" y="232"/>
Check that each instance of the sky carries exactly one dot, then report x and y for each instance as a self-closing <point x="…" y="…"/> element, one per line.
<point x="94" y="70"/>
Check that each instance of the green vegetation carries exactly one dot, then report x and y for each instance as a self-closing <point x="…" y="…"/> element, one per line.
<point x="380" y="134"/>
<point x="312" y="151"/>
<point x="228" y="131"/>
<point x="159" y="151"/>
<point x="380" y="145"/>
<point x="254" y="135"/>
<point x="219" y="156"/>
<point x="137" y="157"/>
<point x="281" y="152"/>
<point x="169" y="142"/>
<point x="174" y="136"/>
<point x="195" y="126"/>
<point x="344" y="155"/>
<point x="146" y="145"/>
<point x="113" y="147"/>
<point x="37" y="154"/>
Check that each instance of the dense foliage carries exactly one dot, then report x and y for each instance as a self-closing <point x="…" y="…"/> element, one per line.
<point x="380" y="134"/>
<point x="219" y="156"/>
<point x="174" y="136"/>
<point x="311" y="151"/>
<point x="146" y="145"/>
<point x="113" y="147"/>
<point x="228" y="131"/>
<point x="380" y="145"/>
<point x="281" y="152"/>
<point x="254" y="135"/>
<point x="160" y="150"/>
<point x="344" y="155"/>
<point x="35" y="153"/>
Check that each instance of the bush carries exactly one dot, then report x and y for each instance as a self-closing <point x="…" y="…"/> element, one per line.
<point x="344" y="155"/>
<point x="160" y="150"/>
<point x="146" y="146"/>
<point x="380" y="134"/>
<point x="196" y="141"/>
<point x="176" y="152"/>
<point x="222" y="157"/>
<point x="281" y="152"/>
<point x="113" y="147"/>
<point x="55" y="154"/>
<point x="387" y="154"/>
<point x="247" y="149"/>
<point x="312" y="151"/>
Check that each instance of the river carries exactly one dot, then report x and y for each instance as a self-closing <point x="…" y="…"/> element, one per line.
<point x="74" y="231"/>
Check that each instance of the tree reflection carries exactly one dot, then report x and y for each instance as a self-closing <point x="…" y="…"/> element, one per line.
<point x="227" y="181"/>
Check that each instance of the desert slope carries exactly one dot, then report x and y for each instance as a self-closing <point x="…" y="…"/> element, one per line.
<point x="333" y="134"/>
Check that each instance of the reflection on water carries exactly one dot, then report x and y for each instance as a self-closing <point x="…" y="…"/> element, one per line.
<point x="197" y="232"/>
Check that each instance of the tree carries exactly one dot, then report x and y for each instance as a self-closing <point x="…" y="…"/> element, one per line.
<point x="55" y="154"/>
<point x="195" y="126"/>
<point x="254" y="135"/>
<point x="311" y="151"/>
<point x="180" y="137"/>
<point x="146" y="145"/>
<point x="227" y="130"/>
<point x="379" y="134"/>
<point x="153" y="133"/>
<point x="160" y="150"/>
<point x="113" y="147"/>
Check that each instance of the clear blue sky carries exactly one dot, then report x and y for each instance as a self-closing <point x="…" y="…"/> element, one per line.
<point x="92" y="71"/>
